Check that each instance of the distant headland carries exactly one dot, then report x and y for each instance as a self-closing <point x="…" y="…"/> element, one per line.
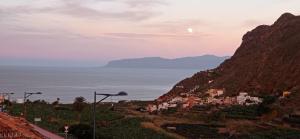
<point x="198" y="62"/>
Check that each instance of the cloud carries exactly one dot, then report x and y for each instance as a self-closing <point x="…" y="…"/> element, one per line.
<point x="16" y="11"/>
<point x="179" y="25"/>
<point x="145" y="3"/>
<point x="17" y="18"/>
<point x="134" y="10"/>
<point x="179" y="22"/>
<point x="78" y="10"/>
<point x="151" y="35"/>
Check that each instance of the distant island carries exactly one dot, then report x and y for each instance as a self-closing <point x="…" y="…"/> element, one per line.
<point x="199" y="62"/>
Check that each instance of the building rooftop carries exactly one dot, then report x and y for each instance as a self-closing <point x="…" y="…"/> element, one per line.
<point x="15" y="127"/>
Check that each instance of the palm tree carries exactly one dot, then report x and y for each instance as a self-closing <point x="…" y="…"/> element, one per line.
<point x="78" y="105"/>
<point x="55" y="103"/>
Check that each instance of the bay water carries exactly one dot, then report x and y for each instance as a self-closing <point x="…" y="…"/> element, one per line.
<point x="68" y="83"/>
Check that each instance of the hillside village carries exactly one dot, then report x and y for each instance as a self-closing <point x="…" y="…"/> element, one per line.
<point x="212" y="97"/>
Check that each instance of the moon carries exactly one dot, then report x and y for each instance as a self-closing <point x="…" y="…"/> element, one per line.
<point x="190" y="30"/>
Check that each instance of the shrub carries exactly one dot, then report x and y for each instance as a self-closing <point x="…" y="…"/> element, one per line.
<point x="264" y="107"/>
<point x="169" y="111"/>
<point x="81" y="131"/>
<point x="242" y="112"/>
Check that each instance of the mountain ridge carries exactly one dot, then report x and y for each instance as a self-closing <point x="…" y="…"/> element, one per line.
<point x="266" y="63"/>
<point x="198" y="62"/>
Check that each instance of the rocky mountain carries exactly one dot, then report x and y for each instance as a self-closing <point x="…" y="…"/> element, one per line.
<point x="267" y="62"/>
<point x="200" y="62"/>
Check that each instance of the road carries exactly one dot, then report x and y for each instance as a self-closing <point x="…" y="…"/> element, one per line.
<point x="46" y="133"/>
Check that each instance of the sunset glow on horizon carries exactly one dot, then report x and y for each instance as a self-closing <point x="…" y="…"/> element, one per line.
<point x="93" y="32"/>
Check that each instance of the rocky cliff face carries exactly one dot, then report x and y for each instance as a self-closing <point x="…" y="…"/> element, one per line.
<point x="267" y="62"/>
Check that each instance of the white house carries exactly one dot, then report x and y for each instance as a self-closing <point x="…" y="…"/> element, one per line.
<point x="254" y="100"/>
<point x="229" y="100"/>
<point x="215" y="92"/>
<point x="242" y="97"/>
<point x="151" y="108"/>
<point x="194" y="89"/>
<point x="176" y="100"/>
<point x="209" y="100"/>
<point x="220" y="92"/>
<point x="185" y="105"/>
<point x="180" y="86"/>
<point x="185" y="94"/>
<point x="163" y="106"/>
<point x="172" y="105"/>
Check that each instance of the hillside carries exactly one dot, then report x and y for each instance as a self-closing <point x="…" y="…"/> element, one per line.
<point x="267" y="62"/>
<point x="200" y="62"/>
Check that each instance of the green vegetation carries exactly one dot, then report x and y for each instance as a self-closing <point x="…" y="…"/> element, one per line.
<point x="113" y="122"/>
<point x="79" y="105"/>
<point x="81" y="131"/>
<point x="274" y="133"/>
<point x="110" y="124"/>
<point x="196" y="130"/>
<point x="169" y="111"/>
<point x="241" y="112"/>
<point x="250" y="112"/>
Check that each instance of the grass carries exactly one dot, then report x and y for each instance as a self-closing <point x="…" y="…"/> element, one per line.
<point x="110" y="124"/>
<point x="273" y="133"/>
<point x="241" y="112"/>
<point x="197" y="131"/>
<point x="115" y="124"/>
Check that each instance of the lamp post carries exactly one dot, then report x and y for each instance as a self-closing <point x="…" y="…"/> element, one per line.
<point x="122" y="93"/>
<point x="26" y="95"/>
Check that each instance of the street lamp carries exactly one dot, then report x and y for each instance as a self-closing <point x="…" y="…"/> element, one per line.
<point x="122" y="93"/>
<point x="26" y="95"/>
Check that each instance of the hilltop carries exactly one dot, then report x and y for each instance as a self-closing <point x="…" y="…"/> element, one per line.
<point x="266" y="63"/>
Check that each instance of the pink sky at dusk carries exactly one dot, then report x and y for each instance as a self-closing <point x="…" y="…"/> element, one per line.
<point x="92" y="32"/>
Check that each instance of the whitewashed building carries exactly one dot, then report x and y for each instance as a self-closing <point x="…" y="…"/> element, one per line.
<point x="215" y="92"/>
<point x="151" y="108"/>
<point x="172" y="105"/>
<point x="177" y="100"/>
<point x="185" y="105"/>
<point x="244" y="99"/>
<point x="241" y="98"/>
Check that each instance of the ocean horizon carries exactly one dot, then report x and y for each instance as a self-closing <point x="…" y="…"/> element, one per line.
<point x="67" y="83"/>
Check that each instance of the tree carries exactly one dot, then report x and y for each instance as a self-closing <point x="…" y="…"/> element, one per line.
<point x="81" y="131"/>
<point x="7" y="102"/>
<point x="55" y="103"/>
<point x="264" y="107"/>
<point x="78" y="105"/>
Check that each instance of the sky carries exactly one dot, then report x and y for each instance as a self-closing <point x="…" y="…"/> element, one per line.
<point x="93" y="32"/>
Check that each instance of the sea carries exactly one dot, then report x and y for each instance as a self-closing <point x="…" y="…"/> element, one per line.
<point x="69" y="83"/>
